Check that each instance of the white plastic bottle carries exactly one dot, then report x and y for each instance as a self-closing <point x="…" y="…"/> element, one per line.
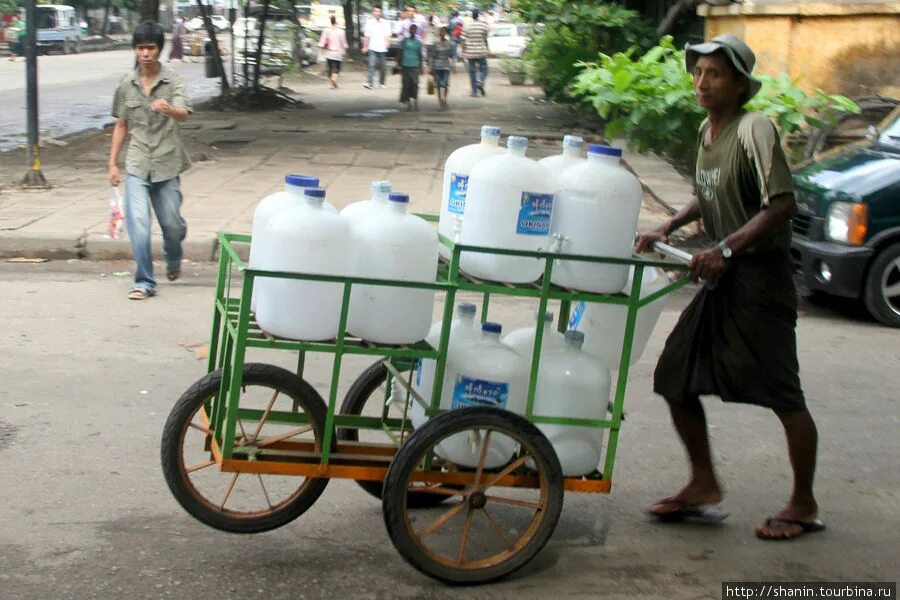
<point x="573" y="384"/>
<point x="522" y="340"/>
<point x="309" y="239"/>
<point x="400" y="246"/>
<point x="571" y="155"/>
<point x="489" y="373"/>
<point x="463" y="330"/>
<point x="366" y="209"/>
<point x="596" y="214"/>
<point x="509" y="205"/>
<point x="294" y="185"/>
<point x="456" y="177"/>
<point x="604" y="324"/>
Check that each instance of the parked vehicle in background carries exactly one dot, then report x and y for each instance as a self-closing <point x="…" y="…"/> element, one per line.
<point x="218" y="21"/>
<point x="846" y="238"/>
<point x="57" y="28"/>
<point x="507" y="39"/>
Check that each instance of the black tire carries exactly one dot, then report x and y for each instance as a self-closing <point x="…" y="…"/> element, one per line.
<point x="882" y="293"/>
<point x="395" y="508"/>
<point x="359" y="394"/>
<point x="66" y="47"/>
<point x="186" y="493"/>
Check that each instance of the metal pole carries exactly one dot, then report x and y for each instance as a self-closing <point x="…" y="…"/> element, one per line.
<point x="34" y="177"/>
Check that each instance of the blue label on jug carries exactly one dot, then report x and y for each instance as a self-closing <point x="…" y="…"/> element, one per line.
<point x="535" y="213"/>
<point x="577" y="314"/>
<point x="479" y="392"/>
<point x="459" y="185"/>
<point x="419" y="372"/>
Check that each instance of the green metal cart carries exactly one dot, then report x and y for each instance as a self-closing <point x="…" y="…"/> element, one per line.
<point x="251" y="446"/>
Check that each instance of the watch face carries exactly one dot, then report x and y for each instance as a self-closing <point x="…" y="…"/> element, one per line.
<point x="726" y="251"/>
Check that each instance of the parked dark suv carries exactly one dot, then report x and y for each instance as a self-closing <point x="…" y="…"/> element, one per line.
<point x="847" y="231"/>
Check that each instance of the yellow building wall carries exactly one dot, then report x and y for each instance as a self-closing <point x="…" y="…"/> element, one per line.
<point x="817" y="48"/>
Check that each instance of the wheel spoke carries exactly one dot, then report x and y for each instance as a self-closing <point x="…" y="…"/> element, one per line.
<point x="465" y="536"/>
<point x="485" y="441"/>
<point x="243" y="441"/>
<point x="265" y="492"/>
<point x="442" y="520"/>
<point x="892" y="290"/>
<point x="496" y="526"/>
<point x="200" y="428"/>
<point x="228" y="492"/>
<point x="436" y="489"/>
<point x="509" y="469"/>
<point x="514" y="502"/>
<point x="283" y="436"/>
<point x="265" y="416"/>
<point x="200" y="466"/>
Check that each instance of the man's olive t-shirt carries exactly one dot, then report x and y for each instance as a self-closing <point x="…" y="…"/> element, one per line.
<point x="738" y="174"/>
<point x="155" y="151"/>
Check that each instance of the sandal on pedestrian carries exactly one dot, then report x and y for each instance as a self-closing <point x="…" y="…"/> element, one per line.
<point x="681" y="511"/>
<point x="173" y="274"/>
<point x="779" y="529"/>
<point x="138" y="294"/>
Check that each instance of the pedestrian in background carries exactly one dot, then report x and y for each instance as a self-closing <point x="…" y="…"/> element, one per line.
<point x="334" y="42"/>
<point x="410" y="68"/>
<point x="475" y="51"/>
<point x="176" y="52"/>
<point x="441" y="62"/>
<point x="376" y="41"/>
<point x="16" y="32"/>
<point x="149" y="105"/>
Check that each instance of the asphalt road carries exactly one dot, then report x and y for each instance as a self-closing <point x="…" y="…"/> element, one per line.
<point x="75" y="92"/>
<point x="89" y="377"/>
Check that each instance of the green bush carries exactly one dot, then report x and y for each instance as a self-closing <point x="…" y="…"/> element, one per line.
<point x="572" y="32"/>
<point x="650" y="101"/>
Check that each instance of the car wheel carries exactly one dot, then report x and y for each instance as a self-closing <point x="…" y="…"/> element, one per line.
<point x="882" y="295"/>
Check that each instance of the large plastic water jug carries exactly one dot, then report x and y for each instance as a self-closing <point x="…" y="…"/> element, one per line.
<point x="571" y="155"/>
<point x="400" y="246"/>
<point x="268" y="206"/>
<point x="309" y="239"/>
<point x="596" y="214"/>
<point x="509" y="205"/>
<point x="604" y="324"/>
<point x="463" y="330"/>
<point x="522" y="340"/>
<point x="366" y="209"/>
<point x="489" y="373"/>
<point x="573" y="384"/>
<point x="456" y="181"/>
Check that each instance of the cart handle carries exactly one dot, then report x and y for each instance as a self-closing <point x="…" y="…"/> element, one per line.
<point x="673" y="252"/>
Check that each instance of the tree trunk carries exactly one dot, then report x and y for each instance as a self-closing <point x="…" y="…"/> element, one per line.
<point x="259" y="45"/>
<point x="217" y="55"/>
<point x="106" y="8"/>
<point x="150" y="10"/>
<point x="348" y="22"/>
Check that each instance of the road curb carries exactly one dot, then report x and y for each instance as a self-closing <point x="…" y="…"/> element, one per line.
<point x="12" y="245"/>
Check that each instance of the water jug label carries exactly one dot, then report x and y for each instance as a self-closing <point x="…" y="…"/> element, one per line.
<point x="479" y="392"/>
<point x="577" y="314"/>
<point x="535" y="214"/>
<point x="459" y="185"/>
<point x="419" y="373"/>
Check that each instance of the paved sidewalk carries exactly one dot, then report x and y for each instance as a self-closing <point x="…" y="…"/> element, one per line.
<point x="347" y="137"/>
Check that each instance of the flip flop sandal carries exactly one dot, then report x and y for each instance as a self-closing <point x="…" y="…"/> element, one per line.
<point x="805" y="527"/>
<point x="138" y="294"/>
<point x="173" y="275"/>
<point x="703" y="513"/>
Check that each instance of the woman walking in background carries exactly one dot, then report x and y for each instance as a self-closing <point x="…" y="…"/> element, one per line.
<point x="334" y="42"/>
<point x="176" y="52"/>
<point x="411" y="67"/>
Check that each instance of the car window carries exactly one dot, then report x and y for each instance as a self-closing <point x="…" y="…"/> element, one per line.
<point x="890" y="135"/>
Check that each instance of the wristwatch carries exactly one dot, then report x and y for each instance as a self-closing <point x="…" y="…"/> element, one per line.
<point x="725" y="249"/>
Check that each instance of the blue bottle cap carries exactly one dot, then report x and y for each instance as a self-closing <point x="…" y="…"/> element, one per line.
<point x="573" y="336"/>
<point x="314" y="192"/>
<point x="491" y="327"/>
<point x="464" y="309"/>
<point x="573" y="141"/>
<point x="398" y="197"/>
<point x="517" y="142"/>
<point x="488" y="131"/>
<point x="304" y="181"/>
<point x="607" y="150"/>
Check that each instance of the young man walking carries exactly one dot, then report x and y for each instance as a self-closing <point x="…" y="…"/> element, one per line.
<point x="149" y="105"/>
<point x="475" y="51"/>
<point x="376" y="41"/>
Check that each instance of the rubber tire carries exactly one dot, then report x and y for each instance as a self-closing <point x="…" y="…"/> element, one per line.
<point x="407" y="460"/>
<point x="66" y="47"/>
<point x="354" y="401"/>
<point x="176" y="425"/>
<point x="874" y="300"/>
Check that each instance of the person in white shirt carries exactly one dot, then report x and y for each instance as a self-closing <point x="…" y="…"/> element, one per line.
<point x="376" y="41"/>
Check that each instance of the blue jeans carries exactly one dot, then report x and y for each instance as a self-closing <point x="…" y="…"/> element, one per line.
<point x="376" y="58"/>
<point x="478" y="70"/>
<point x="165" y="197"/>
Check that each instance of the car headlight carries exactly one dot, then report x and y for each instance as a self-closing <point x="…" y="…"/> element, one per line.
<point x="847" y="222"/>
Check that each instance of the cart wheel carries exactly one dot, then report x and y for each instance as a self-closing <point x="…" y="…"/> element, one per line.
<point x="490" y="531"/>
<point x="248" y="503"/>
<point x="368" y="393"/>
